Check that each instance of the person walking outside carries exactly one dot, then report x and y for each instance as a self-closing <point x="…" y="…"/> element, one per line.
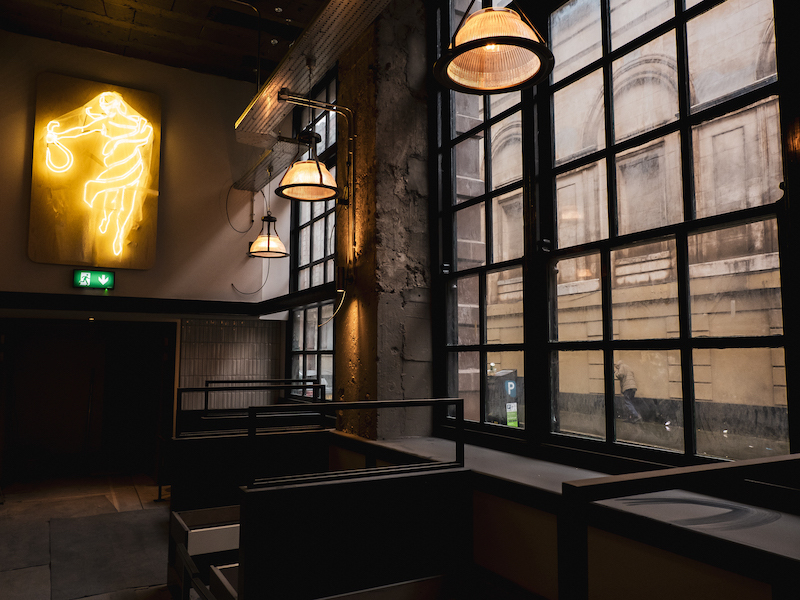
<point x="627" y="385"/>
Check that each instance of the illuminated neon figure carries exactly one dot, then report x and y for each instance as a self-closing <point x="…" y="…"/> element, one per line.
<point x="125" y="137"/>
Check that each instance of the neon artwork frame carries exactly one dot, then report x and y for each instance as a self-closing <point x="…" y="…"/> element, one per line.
<point x="95" y="174"/>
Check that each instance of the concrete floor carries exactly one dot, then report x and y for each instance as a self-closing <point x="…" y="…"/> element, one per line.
<point x="25" y="515"/>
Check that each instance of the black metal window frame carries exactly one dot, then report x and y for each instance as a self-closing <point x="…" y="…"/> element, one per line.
<point x="324" y="91"/>
<point x="447" y="214"/>
<point x="303" y="221"/>
<point x="542" y="253"/>
<point x="312" y="317"/>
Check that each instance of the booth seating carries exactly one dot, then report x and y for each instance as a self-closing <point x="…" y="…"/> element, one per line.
<point x="727" y="530"/>
<point x="355" y="531"/>
<point x="205" y="537"/>
<point x="428" y="588"/>
<point x="206" y="468"/>
<point x="298" y="514"/>
<point x="388" y="530"/>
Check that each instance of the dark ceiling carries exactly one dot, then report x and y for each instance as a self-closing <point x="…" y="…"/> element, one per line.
<point x="219" y="37"/>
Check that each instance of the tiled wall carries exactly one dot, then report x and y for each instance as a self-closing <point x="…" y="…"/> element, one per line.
<point x="214" y="349"/>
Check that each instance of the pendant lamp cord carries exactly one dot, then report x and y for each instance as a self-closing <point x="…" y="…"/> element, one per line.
<point x="312" y="146"/>
<point x="269" y="262"/>
<point x="228" y="214"/>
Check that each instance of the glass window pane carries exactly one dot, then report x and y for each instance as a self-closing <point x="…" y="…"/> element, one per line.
<point x="468" y="112"/>
<point x="332" y="92"/>
<point x="311" y="369"/>
<point x="311" y="329"/>
<point x="318" y="239"/>
<point x="579" y="118"/>
<point x="578" y="405"/>
<point x="468" y="384"/>
<point x="508" y="241"/>
<point x="504" y="307"/>
<point x="579" y="300"/>
<point x="645" y="88"/>
<point x="469" y="168"/>
<point x="740" y="402"/>
<point x="317" y="208"/>
<point x="305" y="212"/>
<point x="304" y="244"/>
<point x="459" y="10"/>
<point x="326" y="330"/>
<point x="470" y="237"/>
<point x="644" y="291"/>
<point x="297" y="370"/>
<point x="321" y="128"/>
<point x="737" y="160"/>
<point x="317" y="274"/>
<point x="464" y="312"/>
<point x="649" y="189"/>
<point x="331" y="129"/>
<point x="507" y="151"/>
<point x="303" y="279"/>
<point x="500" y="102"/>
<point x="330" y="271"/>
<point x="297" y="330"/>
<point x="648" y="398"/>
<point x="575" y="36"/>
<point x="505" y="388"/>
<point x="582" y="204"/>
<point x="731" y="49"/>
<point x="632" y="18"/>
<point x="735" y="282"/>
<point x="326" y="374"/>
<point x="330" y="247"/>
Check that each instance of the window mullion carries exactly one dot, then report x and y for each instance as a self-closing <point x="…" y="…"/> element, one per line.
<point x="605" y="256"/>
<point x="682" y="259"/>
<point x="686" y="350"/>
<point x="608" y="351"/>
<point x="608" y="101"/>
<point x="482" y="312"/>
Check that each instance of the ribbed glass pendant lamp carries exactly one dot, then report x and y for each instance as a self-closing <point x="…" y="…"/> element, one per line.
<point x="308" y="180"/>
<point x="494" y="51"/>
<point x="268" y="244"/>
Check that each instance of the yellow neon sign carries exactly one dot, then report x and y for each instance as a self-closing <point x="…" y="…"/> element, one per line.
<point x="125" y="136"/>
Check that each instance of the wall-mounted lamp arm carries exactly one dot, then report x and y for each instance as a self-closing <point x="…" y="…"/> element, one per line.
<point x="349" y="197"/>
<point x="287" y="96"/>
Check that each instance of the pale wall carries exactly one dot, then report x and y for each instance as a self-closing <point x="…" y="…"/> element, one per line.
<point x="198" y="254"/>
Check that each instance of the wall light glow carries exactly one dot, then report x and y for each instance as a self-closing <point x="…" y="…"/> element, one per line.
<point x="124" y="138"/>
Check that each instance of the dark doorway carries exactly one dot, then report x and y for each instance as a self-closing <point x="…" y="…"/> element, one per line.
<point x="84" y="397"/>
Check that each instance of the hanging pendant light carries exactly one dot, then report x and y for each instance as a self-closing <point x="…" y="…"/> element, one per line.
<point x="494" y="51"/>
<point x="268" y="244"/>
<point x="308" y="180"/>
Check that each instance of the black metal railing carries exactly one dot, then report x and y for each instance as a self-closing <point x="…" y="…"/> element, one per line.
<point x="209" y="420"/>
<point x="329" y="409"/>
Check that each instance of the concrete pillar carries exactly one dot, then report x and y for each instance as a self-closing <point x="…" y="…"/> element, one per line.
<point x="383" y="333"/>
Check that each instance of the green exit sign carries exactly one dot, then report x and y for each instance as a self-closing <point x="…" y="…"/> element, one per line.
<point x="95" y="280"/>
